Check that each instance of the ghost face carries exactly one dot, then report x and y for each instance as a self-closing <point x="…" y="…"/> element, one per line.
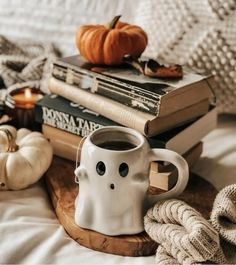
<point x="112" y="185"/>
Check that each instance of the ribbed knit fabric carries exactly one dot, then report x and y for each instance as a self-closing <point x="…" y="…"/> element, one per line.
<point x="223" y="216"/>
<point x="185" y="237"/>
<point x="26" y="63"/>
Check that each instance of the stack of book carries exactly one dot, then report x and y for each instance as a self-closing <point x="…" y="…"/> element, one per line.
<point x="172" y="114"/>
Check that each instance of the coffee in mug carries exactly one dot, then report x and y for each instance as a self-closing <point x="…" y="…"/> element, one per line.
<point x="117" y="145"/>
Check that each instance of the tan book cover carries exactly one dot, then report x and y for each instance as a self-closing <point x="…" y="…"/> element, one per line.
<point x="64" y="144"/>
<point x="192" y="134"/>
<point x="145" y="123"/>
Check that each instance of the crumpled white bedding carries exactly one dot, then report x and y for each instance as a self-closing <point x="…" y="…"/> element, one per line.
<point x="218" y="161"/>
<point x="31" y="234"/>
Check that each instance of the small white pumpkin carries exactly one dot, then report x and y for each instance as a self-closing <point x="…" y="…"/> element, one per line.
<point x="24" y="157"/>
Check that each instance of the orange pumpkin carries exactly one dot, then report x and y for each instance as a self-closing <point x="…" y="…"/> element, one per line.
<point x="107" y="44"/>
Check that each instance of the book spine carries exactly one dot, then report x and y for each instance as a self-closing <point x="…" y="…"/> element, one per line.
<point x="126" y="94"/>
<point x="64" y="150"/>
<point x="104" y="106"/>
<point x="72" y="124"/>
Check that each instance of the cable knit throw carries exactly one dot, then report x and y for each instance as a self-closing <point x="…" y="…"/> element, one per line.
<point x="185" y="237"/>
<point x="199" y="33"/>
<point x="223" y="216"/>
<point x="25" y="63"/>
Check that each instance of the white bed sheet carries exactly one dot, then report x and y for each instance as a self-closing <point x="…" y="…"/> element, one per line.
<point x="31" y="234"/>
<point x="218" y="161"/>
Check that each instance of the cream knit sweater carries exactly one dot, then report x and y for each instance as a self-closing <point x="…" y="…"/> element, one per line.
<point x="185" y="237"/>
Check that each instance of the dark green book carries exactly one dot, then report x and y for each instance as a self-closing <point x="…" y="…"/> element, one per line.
<point x="60" y="113"/>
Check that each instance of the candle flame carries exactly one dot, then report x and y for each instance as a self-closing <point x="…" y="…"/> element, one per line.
<point x="28" y="93"/>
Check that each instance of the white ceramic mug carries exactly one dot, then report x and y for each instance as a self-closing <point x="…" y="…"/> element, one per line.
<point x="113" y="180"/>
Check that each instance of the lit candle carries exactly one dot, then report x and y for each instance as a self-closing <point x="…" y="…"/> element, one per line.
<point x="26" y="98"/>
<point x="20" y="104"/>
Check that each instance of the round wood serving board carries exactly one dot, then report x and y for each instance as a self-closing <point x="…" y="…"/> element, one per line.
<point x="63" y="190"/>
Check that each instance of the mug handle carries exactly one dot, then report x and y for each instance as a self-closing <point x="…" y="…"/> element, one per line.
<point x="183" y="173"/>
<point x="78" y="155"/>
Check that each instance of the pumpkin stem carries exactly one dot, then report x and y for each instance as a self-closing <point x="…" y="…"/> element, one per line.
<point x="112" y="24"/>
<point x="12" y="146"/>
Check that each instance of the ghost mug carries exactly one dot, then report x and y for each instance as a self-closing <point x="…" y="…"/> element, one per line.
<point x="114" y="178"/>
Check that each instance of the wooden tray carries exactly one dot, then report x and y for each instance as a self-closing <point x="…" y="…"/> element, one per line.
<point x="63" y="190"/>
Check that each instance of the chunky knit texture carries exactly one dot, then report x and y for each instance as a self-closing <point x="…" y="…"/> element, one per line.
<point x="26" y="63"/>
<point x="223" y="216"/>
<point x="184" y="235"/>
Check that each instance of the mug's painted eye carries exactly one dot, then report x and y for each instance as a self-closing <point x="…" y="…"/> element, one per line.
<point x="123" y="169"/>
<point x="101" y="168"/>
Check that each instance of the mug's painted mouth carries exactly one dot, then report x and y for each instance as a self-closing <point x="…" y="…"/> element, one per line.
<point x="112" y="186"/>
<point x="2" y="185"/>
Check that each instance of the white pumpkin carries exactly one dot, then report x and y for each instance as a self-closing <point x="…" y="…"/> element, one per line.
<point x="24" y="157"/>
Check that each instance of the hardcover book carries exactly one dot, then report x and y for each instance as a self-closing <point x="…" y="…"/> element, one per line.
<point x="126" y="85"/>
<point x="145" y="123"/>
<point x="62" y="114"/>
<point x="68" y="116"/>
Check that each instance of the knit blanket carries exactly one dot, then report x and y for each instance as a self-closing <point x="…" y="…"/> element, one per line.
<point x="25" y="63"/>
<point x="185" y="237"/>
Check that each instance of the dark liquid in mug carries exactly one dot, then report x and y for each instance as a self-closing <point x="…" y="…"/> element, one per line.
<point x="117" y="145"/>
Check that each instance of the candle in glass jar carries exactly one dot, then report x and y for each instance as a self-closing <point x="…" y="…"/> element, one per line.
<point x="26" y="98"/>
<point x="20" y="105"/>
